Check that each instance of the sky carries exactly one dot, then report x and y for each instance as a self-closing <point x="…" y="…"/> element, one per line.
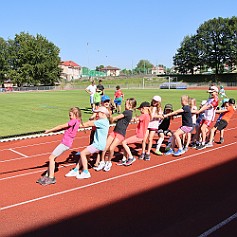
<point x="118" y="33"/>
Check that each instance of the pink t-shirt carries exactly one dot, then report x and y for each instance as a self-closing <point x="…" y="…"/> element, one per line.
<point x="70" y="132"/>
<point x="142" y="126"/>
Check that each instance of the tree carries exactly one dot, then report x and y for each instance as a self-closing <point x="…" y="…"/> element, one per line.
<point x="143" y="66"/>
<point x="214" y="46"/>
<point x="33" y="60"/>
<point x="4" y="66"/>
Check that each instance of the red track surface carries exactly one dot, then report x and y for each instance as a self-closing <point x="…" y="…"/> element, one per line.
<point x="166" y="196"/>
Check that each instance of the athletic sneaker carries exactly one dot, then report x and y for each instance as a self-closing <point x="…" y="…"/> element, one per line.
<point x="83" y="175"/>
<point x="100" y="166"/>
<point x="142" y="156"/>
<point x="130" y="161"/>
<point x="48" y="181"/>
<point x="159" y="153"/>
<point x="167" y="148"/>
<point x="169" y="152"/>
<point x="201" y="147"/>
<point x="179" y="152"/>
<point x="147" y="157"/>
<point x="122" y="162"/>
<point x="221" y="140"/>
<point x="42" y="178"/>
<point x="209" y="145"/>
<point x="185" y="148"/>
<point x="108" y="166"/>
<point x="72" y="173"/>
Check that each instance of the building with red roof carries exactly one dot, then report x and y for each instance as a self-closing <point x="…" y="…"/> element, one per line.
<point x="70" y="70"/>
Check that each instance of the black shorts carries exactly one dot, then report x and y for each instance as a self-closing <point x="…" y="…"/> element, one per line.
<point x="221" y="124"/>
<point x="165" y="132"/>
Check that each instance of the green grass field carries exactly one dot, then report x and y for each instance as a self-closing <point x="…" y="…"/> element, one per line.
<point x="28" y="112"/>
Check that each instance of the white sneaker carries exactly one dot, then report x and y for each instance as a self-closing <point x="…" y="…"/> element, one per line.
<point x="108" y="166"/>
<point x="72" y="173"/>
<point x="100" y="166"/>
<point x="83" y="175"/>
<point x="123" y="161"/>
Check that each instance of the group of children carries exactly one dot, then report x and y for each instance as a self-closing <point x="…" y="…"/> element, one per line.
<point x="152" y="121"/>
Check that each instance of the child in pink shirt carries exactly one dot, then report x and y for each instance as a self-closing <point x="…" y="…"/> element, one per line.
<point x="71" y="128"/>
<point x="143" y="121"/>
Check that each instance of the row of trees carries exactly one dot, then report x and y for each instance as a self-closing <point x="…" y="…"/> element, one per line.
<point x="35" y="61"/>
<point x="29" y="60"/>
<point x="213" y="46"/>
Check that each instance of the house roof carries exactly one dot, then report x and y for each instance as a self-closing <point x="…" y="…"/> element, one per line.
<point x="110" y="68"/>
<point x="70" y="64"/>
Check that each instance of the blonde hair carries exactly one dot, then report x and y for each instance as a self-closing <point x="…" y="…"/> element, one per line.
<point x="185" y="98"/>
<point x="77" y="112"/>
<point x="192" y="102"/>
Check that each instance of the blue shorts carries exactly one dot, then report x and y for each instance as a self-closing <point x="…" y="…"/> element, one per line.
<point x="118" y="101"/>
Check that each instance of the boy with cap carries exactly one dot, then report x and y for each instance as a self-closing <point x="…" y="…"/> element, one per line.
<point x="99" y="143"/>
<point x="143" y="121"/>
<point x="163" y="130"/>
<point x="222" y="123"/>
<point x="209" y="114"/>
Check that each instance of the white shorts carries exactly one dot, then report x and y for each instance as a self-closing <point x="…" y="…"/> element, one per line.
<point x="60" y="149"/>
<point x="92" y="99"/>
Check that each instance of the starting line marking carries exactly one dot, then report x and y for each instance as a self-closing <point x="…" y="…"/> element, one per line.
<point x="19" y="153"/>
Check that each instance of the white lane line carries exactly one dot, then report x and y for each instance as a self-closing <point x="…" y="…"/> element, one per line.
<point x="218" y="226"/>
<point x="36" y="155"/>
<point x="109" y="179"/>
<point x="19" y="153"/>
<point x="39" y="154"/>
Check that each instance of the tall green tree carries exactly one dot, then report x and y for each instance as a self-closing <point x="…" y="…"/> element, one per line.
<point x="33" y="60"/>
<point x="4" y="66"/>
<point x="214" y="46"/>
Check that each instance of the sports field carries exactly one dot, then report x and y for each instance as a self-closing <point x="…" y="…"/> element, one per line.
<point x="26" y="112"/>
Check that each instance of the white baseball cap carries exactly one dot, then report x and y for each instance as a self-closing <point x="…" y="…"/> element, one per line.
<point x="102" y="109"/>
<point x="157" y="98"/>
<point x="213" y="89"/>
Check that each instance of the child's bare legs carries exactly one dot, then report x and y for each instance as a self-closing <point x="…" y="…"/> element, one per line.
<point x="84" y="161"/>
<point x="119" y="109"/>
<point x="204" y="130"/>
<point x="150" y="141"/>
<point x="112" y="147"/>
<point x="108" y="143"/>
<point x="144" y="142"/>
<point x="212" y="134"/>
<point x="132" y="139"/>
<point x="222" y="134"/>
<point x="97" y="161"/>
<point x="177" y="138"/>
<point x="189" y="135"/>
<point x="127" y="149"/>
<point x="51" y="165"/>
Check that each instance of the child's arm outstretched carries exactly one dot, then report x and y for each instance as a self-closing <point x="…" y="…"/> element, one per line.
<point x="173" y="113"/>
<point x="116" y="118"/>
<point x="57" y="128"/>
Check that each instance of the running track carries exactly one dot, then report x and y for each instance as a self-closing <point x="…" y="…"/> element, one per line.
<point x="191" y="195"/>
